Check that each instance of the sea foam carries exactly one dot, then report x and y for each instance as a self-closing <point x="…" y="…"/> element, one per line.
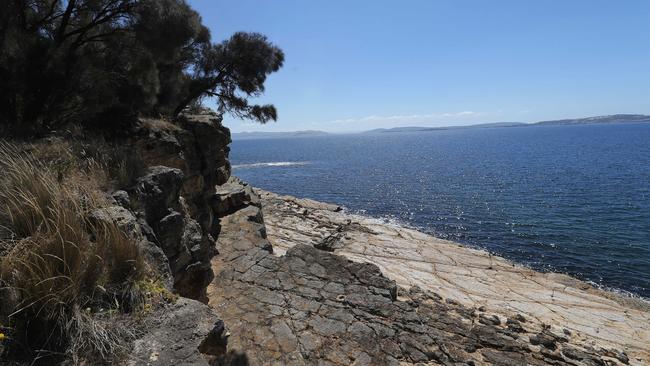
<point x="270" y="164"/>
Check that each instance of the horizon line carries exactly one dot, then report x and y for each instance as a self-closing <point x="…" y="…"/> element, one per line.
<point x="471" y="124"/>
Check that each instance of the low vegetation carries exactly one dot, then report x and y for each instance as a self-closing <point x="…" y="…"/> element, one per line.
<point x="65" y="278"/>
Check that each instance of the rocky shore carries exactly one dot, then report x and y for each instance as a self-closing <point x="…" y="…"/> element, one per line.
<point x="248" y="277"/>
<point x="302" y="282"/>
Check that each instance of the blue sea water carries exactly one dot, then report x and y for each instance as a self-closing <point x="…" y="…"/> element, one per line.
<point x="571" y="199"/>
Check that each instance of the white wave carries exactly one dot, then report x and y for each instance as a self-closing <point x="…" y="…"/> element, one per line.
<point x="388" y="220"/>
<point x="270" y="164"/>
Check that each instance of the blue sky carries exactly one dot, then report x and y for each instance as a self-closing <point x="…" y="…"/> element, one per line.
<point x="357" y="65"/>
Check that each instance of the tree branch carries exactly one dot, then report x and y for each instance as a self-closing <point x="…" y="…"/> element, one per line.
<point x="64" y="22"/>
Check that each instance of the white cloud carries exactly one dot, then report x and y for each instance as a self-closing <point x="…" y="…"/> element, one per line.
<point x="375" y="121"/>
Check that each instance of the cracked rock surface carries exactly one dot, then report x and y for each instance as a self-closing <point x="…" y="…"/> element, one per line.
<point x="595" y="318"/>
<point x="186" y="333"/>
<point x="288" y="302"/>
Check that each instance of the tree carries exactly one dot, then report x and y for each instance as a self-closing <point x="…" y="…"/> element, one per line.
<point x="240" y="64"/>
<point x="105" y="62"/>
<point x="46" y="49"/>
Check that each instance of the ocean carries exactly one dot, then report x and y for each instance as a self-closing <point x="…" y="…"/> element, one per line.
<point x="573" y="199"/>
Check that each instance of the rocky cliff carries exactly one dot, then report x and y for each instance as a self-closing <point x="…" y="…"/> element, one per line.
<point x="169" y="210"/>
<point x="279" y="280"/>
<point x="185" y="162"/>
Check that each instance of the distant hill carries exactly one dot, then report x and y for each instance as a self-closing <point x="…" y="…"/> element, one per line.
<point x="404" y="129"/>
<point x="614" y="118"/>
<point x="268" y="135"/>
<point x="419" y="129"/>
<point x="496" y="124"/>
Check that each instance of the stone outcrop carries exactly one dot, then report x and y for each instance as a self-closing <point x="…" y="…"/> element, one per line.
<point x="197" y="145"/>
<point x="186" y="333"/>
<point x="171" y="227"/>
<point x="154" y="255"/>
<point x="288" y="302"/>
<point x="167" y="211"/>
<point x="474" y="278"/>
<point x="184" y="162"/>
<point x="231" y="196"/>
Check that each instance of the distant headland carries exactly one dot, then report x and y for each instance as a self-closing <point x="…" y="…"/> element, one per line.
<point x="608" y="119"/>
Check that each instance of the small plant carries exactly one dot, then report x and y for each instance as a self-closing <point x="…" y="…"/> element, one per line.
<point x="154" y="292"/>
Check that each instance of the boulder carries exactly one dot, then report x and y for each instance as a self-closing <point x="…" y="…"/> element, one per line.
<point x="186" y="333"/>
<point x="233" y="195"/>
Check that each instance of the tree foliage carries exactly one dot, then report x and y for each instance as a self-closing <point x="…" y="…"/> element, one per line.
<point x="101" y="63"/>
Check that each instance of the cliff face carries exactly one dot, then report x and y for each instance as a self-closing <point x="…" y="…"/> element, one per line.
<point x="185" y="162"/>
<point x="168" y="210"/>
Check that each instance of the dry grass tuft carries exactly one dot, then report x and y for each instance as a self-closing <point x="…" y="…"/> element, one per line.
<point x="26" y="195"/>
<point x="121" y="165"/>
<point x="158" y="124"/>
<point x="60" y="273"/>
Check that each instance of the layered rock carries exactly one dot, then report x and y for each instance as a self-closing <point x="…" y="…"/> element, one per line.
<point x="305" y="305"/>
<point x="197" y="145"/>
<point x="184" y="331"/>
<point x="231" y="196"/>
<point x="184" y="161"/>
<point x="167" y="211"/>
<point x="596" y="318"/>
<point x="168" y="223"/>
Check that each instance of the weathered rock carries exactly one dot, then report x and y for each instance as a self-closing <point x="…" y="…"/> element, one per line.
<point x="210" y="147"/>
<point x="154" y="255"/>
<point x="158" y="192"/>
<point x="187" y="247"/>
<point x="156" y="143"/>
<point x="169" y="231"/>
<point x="314" y="307"/>
<point x="198" y="146"/>
<point x="206" y="152"/>
<point x="122" y="199"/>
<point x="186" y="333"/>
<point x="498" y="289"/>
<point x="231" y="196"/>
<point x="186" y="160"/>
<point x="119" y="215"/>
<point x="183" y="333"/>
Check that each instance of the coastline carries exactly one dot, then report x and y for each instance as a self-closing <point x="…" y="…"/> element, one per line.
<point x="473" y="277"/>
<point x="619" y="295"/>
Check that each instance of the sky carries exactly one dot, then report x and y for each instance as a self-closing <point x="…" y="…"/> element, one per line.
<point x="355" y="65"/>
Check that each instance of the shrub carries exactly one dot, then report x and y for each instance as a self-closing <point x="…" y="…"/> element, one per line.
<point x="61" y="274"/>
